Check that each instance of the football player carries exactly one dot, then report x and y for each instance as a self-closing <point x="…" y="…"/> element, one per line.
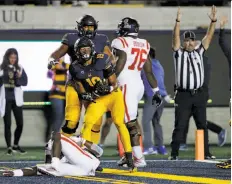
<point x="133" y="56"/>
<point x="87" y="27"/>
<point x="89" y="72"/>
<point x="76" y="161"/>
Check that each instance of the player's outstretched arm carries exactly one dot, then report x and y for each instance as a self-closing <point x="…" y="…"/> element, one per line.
<point x="176" y="32"/>
<point x="60" y="52"/>
<point x="56" y="55"/>
<point x="209" y="35"/>
<point x="122" y="57"/>
<point x="28" y="171"/>
<point x="94" y="148"/>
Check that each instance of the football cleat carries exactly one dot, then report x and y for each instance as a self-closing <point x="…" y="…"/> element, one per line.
<point x="127" y="161"/>
<point x="140" y="162"/>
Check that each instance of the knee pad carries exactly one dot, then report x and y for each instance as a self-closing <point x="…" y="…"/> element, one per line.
<point x="70" y="127"/>
<point x="133" y="128"/>
<point x="134" y="132"/>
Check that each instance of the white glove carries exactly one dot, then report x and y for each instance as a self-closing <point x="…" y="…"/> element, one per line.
<point x="168" y="99"/>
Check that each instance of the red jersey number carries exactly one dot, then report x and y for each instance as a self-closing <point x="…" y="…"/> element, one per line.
<point x="140" y="55"/>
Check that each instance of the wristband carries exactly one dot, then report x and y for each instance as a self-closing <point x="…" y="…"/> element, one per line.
<point x="18" y="172"/>
<point x="214" y="20"/>
<point x="155" y="89"/>
<point x="177" y="20"/>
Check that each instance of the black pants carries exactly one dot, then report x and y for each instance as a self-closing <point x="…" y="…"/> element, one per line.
<point x="18" y="114"/>
<point x="210" y="125"/>
<point x="187" y="104"/>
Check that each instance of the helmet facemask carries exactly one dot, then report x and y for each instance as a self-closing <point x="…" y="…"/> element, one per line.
<point x="84" y="54"/>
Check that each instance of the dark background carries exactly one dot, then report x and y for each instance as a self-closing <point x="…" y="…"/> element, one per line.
<point x="162" y="41"/>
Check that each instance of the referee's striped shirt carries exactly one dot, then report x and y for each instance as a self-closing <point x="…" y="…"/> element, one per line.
<point x="189" y="68"/>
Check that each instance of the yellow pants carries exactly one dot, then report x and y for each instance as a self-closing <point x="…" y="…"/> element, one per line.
<point x="72" y="109"/>
<point x="72" y="115"/>
<point x="114" y="103"/>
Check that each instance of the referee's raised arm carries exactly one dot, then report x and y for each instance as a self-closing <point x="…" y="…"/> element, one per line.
<point x="176" y="32"/>
<point x="209" y="35"/>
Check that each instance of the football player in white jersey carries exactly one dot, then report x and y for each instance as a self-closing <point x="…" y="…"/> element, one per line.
<point x="132" y="55"/>
<point x="76" y="160"/>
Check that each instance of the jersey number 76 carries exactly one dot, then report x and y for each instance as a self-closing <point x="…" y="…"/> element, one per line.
<point x="140" y="55"/>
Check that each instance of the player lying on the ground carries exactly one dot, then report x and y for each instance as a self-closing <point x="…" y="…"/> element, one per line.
<point x="76" y="161"/>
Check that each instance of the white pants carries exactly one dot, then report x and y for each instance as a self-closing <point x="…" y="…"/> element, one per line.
<point x="132" y="94"/>
<point x="79" y="161"/>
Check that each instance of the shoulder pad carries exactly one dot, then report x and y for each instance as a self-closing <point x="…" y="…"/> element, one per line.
<point x="68" y="38"/>
<point x="119" y="43"/>
<point x="103" y="39"/>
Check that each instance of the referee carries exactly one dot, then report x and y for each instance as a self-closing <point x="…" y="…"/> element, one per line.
<point x="189" y="78"/>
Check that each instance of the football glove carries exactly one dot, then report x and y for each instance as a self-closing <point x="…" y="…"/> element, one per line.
<point x="157" y="99"/>
<point x="51" y="62"/>
<point x="87" y="97"/>
<point x="101" y="88"/>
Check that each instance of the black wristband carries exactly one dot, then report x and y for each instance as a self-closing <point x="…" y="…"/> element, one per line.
<point x="177" y="20"/>
<point x="214" y="20"/>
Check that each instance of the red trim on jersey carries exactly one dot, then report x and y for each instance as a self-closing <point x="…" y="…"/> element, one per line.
<point x="74" y="144"/>
<point x="147" y="45"/>
<point x="122" y="41"/>
<point x="124" y="98"/>
<point x="125" y="41"/>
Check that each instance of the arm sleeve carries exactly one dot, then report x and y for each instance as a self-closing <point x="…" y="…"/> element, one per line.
<point x="65" y="39"/>
<point x="224" y="44"/>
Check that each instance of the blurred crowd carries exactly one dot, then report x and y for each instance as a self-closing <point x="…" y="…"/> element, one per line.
<point x="147" y="2"/>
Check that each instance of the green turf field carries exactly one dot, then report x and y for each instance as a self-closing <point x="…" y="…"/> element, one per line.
<point x="111" y="153"/>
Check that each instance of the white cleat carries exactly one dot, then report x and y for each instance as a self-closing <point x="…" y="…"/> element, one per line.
<point x="140" y="162"/>
<point x="47" y="169"/>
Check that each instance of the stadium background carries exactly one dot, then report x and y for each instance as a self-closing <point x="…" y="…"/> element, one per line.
<point x="38" y="27"/>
